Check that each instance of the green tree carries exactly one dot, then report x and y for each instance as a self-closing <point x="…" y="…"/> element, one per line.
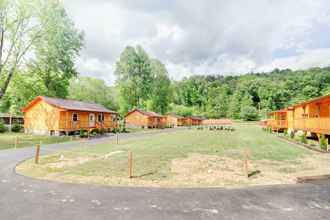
<point x="134" y="78"/>
<point x="161" y="88"/>
<point x="249" y="113"/>
<point x="56" y="49"/>
<point x="92" y="90"/>
<point x="19" y="31"/>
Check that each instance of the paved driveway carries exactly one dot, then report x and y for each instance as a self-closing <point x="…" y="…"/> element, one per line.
<point x="26" y="198"/>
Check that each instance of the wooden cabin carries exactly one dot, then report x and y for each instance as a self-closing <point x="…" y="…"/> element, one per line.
<point x="173" y="120"/>
<point x="192" y="121"/>
<point x="278" y="120"/>
<point x="144" y="119"/>
<point x="311" y="116"/>
<point x="223" y="121"/>
<point x="54" y="116"/>
<point x="10" y="119"/>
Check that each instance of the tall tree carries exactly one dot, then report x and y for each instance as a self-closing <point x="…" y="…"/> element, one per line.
<point x="56" y="49"/>
<point x="37" y="34"/>
<point x="161" y="87"/>
<point x="134" y="78"/>
<point x="92" y="90"/>
<point x="19" y="31"/>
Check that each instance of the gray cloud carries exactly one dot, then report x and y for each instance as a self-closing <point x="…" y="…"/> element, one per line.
<point x="196" y="37"/>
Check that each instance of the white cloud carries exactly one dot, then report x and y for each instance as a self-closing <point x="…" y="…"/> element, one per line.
<point x="198" y="37"/>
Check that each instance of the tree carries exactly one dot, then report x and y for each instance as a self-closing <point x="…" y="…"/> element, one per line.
<point x="92" y="90"/>
<point x="161" y="88"/>
<point x="134" y="78"/>
<point x="56" y="49"/>
<point x="249" y="113"/>
<point x="19" y="31"/>
<point x="37" y="35"/>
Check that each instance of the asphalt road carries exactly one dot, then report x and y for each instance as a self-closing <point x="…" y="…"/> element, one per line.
<point x="25" y="198"/>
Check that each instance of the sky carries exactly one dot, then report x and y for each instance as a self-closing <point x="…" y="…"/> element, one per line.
<point x="224" y="37"/>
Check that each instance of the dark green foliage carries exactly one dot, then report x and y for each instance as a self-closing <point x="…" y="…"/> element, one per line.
<point x="323" y="142"/>
<point x="2" y="127"/>
<point x="82" y="133"/>
<point x="285" y="132"/>
<point x="249" y="113"/>
<point x="16" y="128"/>
<point x="303" y="138"/>
<point x="291" y="134"/>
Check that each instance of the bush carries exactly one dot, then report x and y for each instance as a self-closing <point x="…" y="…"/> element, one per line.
<point x="16" y="128"/>
<point x="323" y="142"/>
<point x="2" y="127"/>
<point x="303" y="138"/>
<point x="249" y="113"/>
<point x="291" y="134"/>
<point x="82" y="133"/>
<point x="285" y="132"/>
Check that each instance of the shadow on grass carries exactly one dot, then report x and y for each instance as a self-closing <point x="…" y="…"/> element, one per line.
<point x="143" y="175"/>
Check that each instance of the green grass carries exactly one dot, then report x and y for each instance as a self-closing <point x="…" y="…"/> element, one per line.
<point x="152" y="155"/>
<point x="7" y="140"/>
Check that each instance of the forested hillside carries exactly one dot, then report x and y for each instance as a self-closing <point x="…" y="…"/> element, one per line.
<point x="233" y="96"/>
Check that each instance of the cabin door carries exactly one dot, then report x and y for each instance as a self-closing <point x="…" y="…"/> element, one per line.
<point x="91" y="120"/>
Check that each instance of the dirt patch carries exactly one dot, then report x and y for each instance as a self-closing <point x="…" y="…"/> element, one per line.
<point x="211" y="170"/>
<point x="200" y="170"/>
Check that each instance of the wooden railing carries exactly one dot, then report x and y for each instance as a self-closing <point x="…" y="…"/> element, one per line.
<point x="85" y="124"/>
<point x="313" y="124"/>
<point x="277" y="123"/>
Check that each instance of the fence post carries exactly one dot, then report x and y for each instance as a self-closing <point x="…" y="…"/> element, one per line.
<point x="130" y="164"/>
<point x="246" y="163"/>
<point x="36" y="159"/>
<point x="16" y="141"/>
<point x="117" y="137"/>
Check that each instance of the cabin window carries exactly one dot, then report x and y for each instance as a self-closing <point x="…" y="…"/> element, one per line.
<point x="74" y="117"/>
<point x="101" y="117"/>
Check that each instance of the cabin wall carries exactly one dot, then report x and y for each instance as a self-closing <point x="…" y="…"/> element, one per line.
<point x="136" y="119"/>
<point x="171" y="121"/>
<point x="66" y="122"/>
<point x="290" y="119"/>
<point x="41" y="118"/>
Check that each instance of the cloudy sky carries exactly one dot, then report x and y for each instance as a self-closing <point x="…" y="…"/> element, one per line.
<point x="204" y="36"/>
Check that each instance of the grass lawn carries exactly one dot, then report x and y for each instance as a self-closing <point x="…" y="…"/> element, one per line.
<point x="7" y="140"/>
<point x="188" y="157"/>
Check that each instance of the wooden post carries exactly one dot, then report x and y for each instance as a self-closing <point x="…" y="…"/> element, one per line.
<point x="117" y="137"/>
<point x="16" y="141"/>
<point x="246" y="163"/>
<point x="130" y="164"/>
<point x="10" y="122"/>
<point x="36" y="159"/>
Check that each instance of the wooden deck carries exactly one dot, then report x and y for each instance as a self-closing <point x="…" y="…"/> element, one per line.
<point x="277" y="124"/>
<point x="316" y="125"/>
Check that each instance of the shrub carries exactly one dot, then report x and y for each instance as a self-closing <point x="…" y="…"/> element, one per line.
<point x="82" y="133"/>
<point x="291" y="134"/>
<point x="303" y="138"/>
<point x="16" y="128"/>
<point x="94" y="131"/>
<point x="323" y="142"/>
<point x="2" y="127"/>
<point x="249" y="113"/>
<point x="285" y="132"/>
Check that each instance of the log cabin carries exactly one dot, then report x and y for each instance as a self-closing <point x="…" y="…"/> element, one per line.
<point x="311" y="116"/>
<point x="174" y="120"/>
<point x="144" y="119"/>
<point x="217" y="122"/>
<point x="278" y="120"/>
<point x="192" y="121"/>
<point x="54" y="116"/>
